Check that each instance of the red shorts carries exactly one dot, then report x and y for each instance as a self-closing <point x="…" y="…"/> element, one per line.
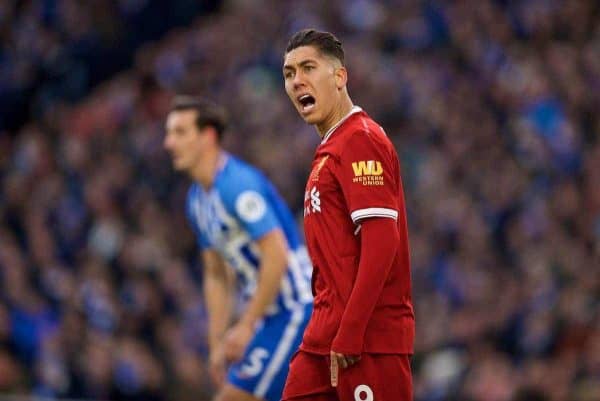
<point x="375" y="377"/>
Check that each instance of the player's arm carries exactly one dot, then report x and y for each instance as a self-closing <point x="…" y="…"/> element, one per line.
<point x="379" y="239"/>
<point x="273" y="264"/>
<point x="218" y="298"/>
<point x="273" y="251"/>
<point x="379" y="243"/>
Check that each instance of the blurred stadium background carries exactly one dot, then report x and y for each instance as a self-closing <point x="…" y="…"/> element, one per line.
<point x="494" y="106"/>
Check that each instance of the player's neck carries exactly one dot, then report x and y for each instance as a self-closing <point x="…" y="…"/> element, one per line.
<point x="204" y="172"/>
<point x="343" y="108"/>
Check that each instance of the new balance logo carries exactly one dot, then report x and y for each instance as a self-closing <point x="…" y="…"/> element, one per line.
<point x="369" y="167"/>
<point x="314" y="205"/>
<point x="315" y="201"/>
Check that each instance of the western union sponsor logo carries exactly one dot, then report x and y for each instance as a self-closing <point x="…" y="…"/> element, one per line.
<point x="369" y="167"/>
<point x="369" y="180"/>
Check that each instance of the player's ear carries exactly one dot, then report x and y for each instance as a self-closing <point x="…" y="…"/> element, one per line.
<point x="341" y="77"/>
<point x="211" y="132"/>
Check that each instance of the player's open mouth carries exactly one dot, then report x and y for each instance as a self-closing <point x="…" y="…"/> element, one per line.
<point x="307" y="103"/>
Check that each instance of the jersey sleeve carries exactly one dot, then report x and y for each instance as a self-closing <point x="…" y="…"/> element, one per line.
<point x="192" y="213"/>
<point x="250" y="202"/>
<point x="367" y="172"/>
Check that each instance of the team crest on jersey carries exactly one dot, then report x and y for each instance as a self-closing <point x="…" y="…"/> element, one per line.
<point x="368" y="173"/>
<point x="250" y="206"/>
<point x="314" y="176"/>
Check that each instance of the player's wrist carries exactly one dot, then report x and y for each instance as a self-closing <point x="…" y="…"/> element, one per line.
<point x="248" y="322"/>
<point x="214" y="344"/>
<point x="347" y="345"/>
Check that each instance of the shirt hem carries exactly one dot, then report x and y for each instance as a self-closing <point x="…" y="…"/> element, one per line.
<point x="319" y="351"/>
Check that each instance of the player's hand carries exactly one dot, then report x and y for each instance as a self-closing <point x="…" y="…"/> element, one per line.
<point x="236" y="341"/>
<point x="216" y="365"/>
<point x="338" y="360"/>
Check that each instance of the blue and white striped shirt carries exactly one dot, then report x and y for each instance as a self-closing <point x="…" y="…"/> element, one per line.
<point x="240" y="208"/>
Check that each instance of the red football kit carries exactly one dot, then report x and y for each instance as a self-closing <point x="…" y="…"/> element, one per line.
<point x="355" y="182"/>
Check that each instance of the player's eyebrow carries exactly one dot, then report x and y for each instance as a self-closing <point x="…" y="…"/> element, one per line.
<point x="300" y="64"/>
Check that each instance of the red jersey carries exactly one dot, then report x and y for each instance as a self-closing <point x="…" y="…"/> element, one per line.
<point x="355" y="175"/>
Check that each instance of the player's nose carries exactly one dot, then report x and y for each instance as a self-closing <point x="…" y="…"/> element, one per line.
<point x="167" y="142"/>
<point x="298" y="80"/>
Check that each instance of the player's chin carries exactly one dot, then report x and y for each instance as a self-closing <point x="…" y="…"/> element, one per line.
<point x="179" y="165"/>
<point x="310" y="118"/>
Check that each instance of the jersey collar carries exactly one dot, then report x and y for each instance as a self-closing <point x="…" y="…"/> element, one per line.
<point x="223" y="159"/>
<point x="221" y="163"/>
<point x="354" y="110"/>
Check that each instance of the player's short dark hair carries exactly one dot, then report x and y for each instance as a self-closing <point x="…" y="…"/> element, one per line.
<point x="207" y="112"/>
<point x="529" y="394"/>
<point x="324" y="42"/>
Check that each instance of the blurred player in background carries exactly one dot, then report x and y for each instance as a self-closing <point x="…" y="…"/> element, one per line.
<point x="361" y="333"/>
<point x="242" y="223"/>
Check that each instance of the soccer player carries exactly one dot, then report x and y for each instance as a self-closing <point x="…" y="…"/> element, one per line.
<point x="360" y="337"/>
<point x="242" y="225"/>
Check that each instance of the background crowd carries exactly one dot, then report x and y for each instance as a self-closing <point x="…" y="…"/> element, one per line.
<point x="494" y="107"/>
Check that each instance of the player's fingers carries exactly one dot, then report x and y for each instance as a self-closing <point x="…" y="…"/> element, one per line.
<point x="342" y="361"/>
<point x="352" y="359"/>
<point x="217" y="374"/>
<point x="230" y="348"/>
<point x="233" y="349"/>
<point x="333" y="369"/>
<point x="217" y="378"/>
<point x="227" y="353"/>
<point x="233" y="353"/>
<point x="220" y="379"/>
<point x="214" y="366"/>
